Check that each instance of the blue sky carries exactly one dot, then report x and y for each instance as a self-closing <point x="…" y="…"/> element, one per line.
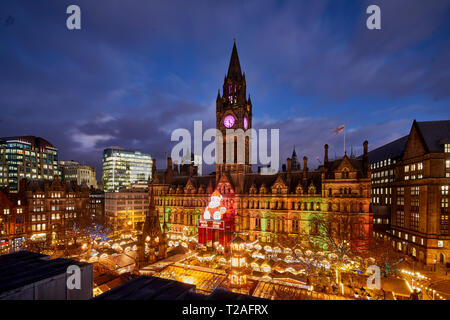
<point x="139" y="69"/>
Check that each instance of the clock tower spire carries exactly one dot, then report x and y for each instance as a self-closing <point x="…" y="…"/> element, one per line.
<point x="234" y="114"/>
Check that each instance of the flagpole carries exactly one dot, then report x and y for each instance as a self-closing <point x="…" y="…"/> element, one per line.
<point x="344" y="138"/>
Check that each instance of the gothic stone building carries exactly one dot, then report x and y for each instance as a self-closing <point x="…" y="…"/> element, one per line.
<point x="262" y="207"/>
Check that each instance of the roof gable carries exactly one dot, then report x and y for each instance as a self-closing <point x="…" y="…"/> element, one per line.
<point x="345" y="163"/>
<point x="415" y="146"/>
<point x="434" y="134"/>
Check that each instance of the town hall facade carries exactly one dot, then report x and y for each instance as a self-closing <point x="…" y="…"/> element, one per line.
<point x="263" y="207"/>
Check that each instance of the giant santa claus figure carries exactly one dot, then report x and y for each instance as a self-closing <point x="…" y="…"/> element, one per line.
<point x="215" y="209"/>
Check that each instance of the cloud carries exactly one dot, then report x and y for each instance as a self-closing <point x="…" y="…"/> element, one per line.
<point x="309" y="135"/>
<point x="88" y="142"/>
<point x="139" y="70"/>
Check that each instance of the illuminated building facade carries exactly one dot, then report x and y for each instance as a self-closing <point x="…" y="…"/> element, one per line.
<point x="383" y="161"/>
<point x="122" y="168"/>
<point x="55" y="209"/>
<point x="13" y="221"/>
<point x="81" y="173"/>
<point x="97" y="203"/>
<point x="126" y="208"/>
<point x="266" y="207"/>
<point x="418" y="181"/>
<point x="42" y="210"/>
<point x="26" y="157"/>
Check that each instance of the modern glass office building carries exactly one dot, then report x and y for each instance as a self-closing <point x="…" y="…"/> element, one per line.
<point x="26" y="157"/>
<point x="123" y="168"/>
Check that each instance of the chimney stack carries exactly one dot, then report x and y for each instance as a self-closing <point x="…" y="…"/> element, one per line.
<point x="169" y="173"/>
<point x="305" y="166"/>
<point x="191" y="170"/>
<point x="289" y="165"/>
<point x="169" y="163"/>
<point x="366" y="157"/>
<point x="325" y="160"/>
<point x="153" y="167"/>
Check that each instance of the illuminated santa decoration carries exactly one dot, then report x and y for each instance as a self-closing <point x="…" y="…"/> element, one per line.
<point x="215" y="209"/>
<point x="216" y="225"/>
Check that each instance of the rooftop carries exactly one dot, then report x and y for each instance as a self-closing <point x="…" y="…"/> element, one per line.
<point x="154" y="288"/>
<point x="392" y="150"/>
<point x="23" y="268"/>
<point x="149" y="288"/>
<point x="36" y="142"/>
<point x="435" y="134"/>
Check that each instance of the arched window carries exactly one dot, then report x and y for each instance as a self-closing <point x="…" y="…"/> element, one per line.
<point x="345" y="173"/>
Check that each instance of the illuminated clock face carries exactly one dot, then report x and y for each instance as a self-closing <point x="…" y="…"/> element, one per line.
<point x="245" y="123"/>
<point x="228" y="122"/>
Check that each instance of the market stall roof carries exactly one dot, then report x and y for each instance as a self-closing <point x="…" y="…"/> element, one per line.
<point x="395" y="285"/>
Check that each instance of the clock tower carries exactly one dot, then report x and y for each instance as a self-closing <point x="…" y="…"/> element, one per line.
<point x="233" y="119"/>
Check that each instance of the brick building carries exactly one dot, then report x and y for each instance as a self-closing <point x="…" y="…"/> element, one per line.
<point x="56" y="209"/>
<point x="261" y="206"/>
<point x="13" y="221"/>
<point x="97" y="203"/>
<point x="43" y="211"/>
<point x="417" y="186"/>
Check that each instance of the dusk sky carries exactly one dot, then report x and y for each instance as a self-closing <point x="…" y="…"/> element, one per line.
<point x="137" y="70"/>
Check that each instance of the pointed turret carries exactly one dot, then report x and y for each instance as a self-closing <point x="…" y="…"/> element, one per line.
<point x="295" y="162"/>
<point x="151" y="231"/>
<point x="234" y="69"/>
<point x="210" y="187"/>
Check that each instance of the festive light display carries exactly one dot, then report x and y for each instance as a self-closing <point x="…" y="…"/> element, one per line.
<point x="214" y="208"/>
